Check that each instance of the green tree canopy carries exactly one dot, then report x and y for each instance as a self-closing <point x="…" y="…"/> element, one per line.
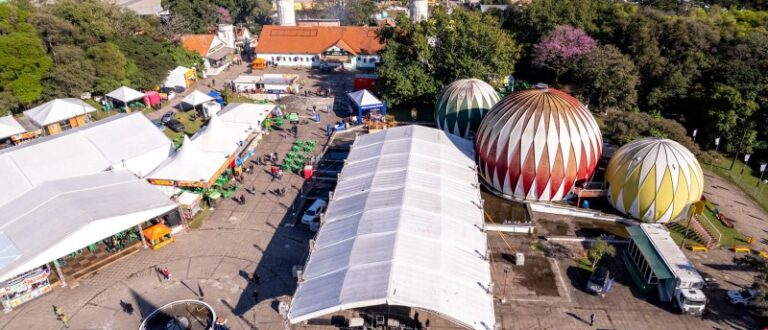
<point x="23" y="60"/>
<point x="607" y="78"/>
<point x="419" y="59"/>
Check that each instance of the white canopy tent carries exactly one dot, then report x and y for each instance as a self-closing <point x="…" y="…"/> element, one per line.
<point x="190" y="164"/>
<point x="196" y="98"/>
<point x="246" y="117"/>
<point x="125" y="94"/>
<point x="217" y="136"/>
<point x="127" y="141"/>
<point x="177" y="78"/>
<point x="403" y="228"/>
<point x="10" y="127"/>
<point x="57" y="110"/>
<point x="61" y="216"/>
<point x="364" y="99"/>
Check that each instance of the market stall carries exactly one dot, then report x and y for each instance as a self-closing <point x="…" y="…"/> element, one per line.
<point x="25" y="287"/>
<point x="158" y="235"/>
<point x="127" y="98"/>
<point x="180" y="79"/>
<point x="364" y="102"/>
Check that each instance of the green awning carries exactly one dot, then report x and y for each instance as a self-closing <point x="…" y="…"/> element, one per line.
<point x="650" y="254"/>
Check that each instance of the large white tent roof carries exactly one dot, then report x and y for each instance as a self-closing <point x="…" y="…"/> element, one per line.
<point x="246" y="117"/>
<point x="60" y="216"/>
<point x="125" y="94"/>
<point x="190" y="163"/>
<point x="197" y="98"/>
<point x="365" y="99"/>
<point x="9" y="127"/>
<point x="217" y="136"/>
<point x="57" y="110"/>
<point x="128" y="141"/>
<point x="403" y="228"/>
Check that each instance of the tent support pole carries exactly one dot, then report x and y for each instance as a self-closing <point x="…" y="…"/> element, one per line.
<point x="141" y="236"/>
<point x="59" y="273"/>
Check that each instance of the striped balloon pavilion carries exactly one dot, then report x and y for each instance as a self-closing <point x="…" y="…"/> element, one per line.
<point x="462" y="105"/>
<point x="654" y="180"/>
<point x="536" y="143"/>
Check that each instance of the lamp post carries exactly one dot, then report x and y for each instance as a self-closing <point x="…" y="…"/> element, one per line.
<point x="694" y="134"/>
<point x="738" y="149"/>
<point x="746" y="161"/>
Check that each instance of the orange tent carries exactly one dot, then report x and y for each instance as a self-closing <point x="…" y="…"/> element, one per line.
<point x="259" y="64"/>
<point x="156" y="232"/>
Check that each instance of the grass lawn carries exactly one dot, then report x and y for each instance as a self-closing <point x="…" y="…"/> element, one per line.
<point x="190" y="127"/>
<point x="197" y="222"/>
<point x="747" y="181"/>
<point x="730" y="236"/>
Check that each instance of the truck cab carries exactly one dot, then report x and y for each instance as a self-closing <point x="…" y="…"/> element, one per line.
<point x="690" y="301"/>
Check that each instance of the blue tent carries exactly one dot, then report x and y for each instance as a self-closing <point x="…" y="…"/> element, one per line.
<point x="364" y="101"/>
<point x="216" y="96"/>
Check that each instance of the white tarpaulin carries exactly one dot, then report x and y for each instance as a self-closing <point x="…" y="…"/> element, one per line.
<point x="246" y="116"/>
<point x="9" y="127"/>
<point x="125" y="94"/>
<point x="216" y="136"/>
<point x="403" y="228"/>
<point x="177" y="78"/>
<point x="128" y="141"/>
<point x="57" y="110"/>
<point x="59" y="217"/>
<point x="196" y="98"/>
<point x="189" y="163"/>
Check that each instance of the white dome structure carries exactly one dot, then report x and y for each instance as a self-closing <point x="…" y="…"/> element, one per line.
<point x="462" y="105"/>
<point x="654" y="180"/>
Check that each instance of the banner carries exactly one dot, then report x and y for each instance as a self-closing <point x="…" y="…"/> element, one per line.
<point x="694" y="132"/>
<point x="762" y="167"/>
<point x="717" y="141"/>
<point x="746" y="157"/>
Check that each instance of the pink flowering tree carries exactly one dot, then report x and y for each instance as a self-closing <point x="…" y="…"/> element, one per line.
<point x="561" y="47"/>
<point x="224" y="16"/>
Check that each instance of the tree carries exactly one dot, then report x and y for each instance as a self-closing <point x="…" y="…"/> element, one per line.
<point x="608" y="77"/>
<point x="623" y="127"/>
<point x="23" y="60"/>
<point x="418" y="59"/>
<point x="150" y="59"/>
<point x="561" y="47"/>
<point x="112" y="67"/>
<point x="359" y="12"/>
<point x="728" y="116"/>
<point x="599" y="249"/>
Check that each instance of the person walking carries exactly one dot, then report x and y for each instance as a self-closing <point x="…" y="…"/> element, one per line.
<point x="592" y="319"/>
<point x="166" y="274"/>
<point x="61" y="316"/>
<point x="255" y="295"/>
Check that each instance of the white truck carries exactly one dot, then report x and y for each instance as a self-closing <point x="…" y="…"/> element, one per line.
<point x="660" y="263"/>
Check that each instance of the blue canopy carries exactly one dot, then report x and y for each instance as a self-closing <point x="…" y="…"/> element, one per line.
<point x="216" y="95"/>
<point x="364" y="100"/>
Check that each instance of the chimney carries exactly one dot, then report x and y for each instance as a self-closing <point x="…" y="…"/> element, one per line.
<point x="285" y="13"/>
<point x="419" y="10"/>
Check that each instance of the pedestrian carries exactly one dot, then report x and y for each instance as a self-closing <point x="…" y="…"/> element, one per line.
<point x="255" y="295"/>
<point x="166" y="274"/>
<point x="314" y="109"/>
<point x="64" y="319"/>
<point x="273" y="170"/>
<point x="426" y="324"/>
<point x="57" y="310"/>
<point x="242" y="199"/>
<point x="282" y="191"/>
<point x="256" y="279"/>
<point x="213" y="82"/>
<point x="592" y="319"/>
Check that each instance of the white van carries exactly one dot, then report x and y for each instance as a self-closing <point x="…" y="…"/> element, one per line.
<point x="314" y="211"/>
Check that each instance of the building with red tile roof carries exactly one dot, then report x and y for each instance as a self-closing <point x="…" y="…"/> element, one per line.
<point x="216" y="54"/>
<point x="354" y="47"/>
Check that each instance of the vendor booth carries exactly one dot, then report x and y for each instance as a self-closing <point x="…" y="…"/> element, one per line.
<point x="126" y="98"/>
<point x="267" y="83"/>
<point x="191" y="167"/>
<point x="60" y="115"/>
<point x="25" y="287"/>
<point x="364" y="102"/>
<point x="158" y="235"/>
<point x="180" y="79"/>
<point x="152" y="99"/>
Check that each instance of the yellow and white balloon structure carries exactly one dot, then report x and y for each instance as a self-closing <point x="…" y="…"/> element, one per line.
<point x="654" y="180"/>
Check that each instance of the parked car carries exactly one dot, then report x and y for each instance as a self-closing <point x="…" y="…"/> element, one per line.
<point x="329" y="66"/>
<point x="168" y="116"/>
<point x="158" y="123"/>
<point x="598" y="281"/>
<point x="175" y="125"/>
<point x="313" y="212"/>
<point x="744" y="297"/>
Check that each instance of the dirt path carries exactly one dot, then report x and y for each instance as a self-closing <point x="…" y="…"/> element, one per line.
<point x="748" y="217"/>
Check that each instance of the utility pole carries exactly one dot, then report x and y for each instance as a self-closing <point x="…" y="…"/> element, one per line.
<point x="738" y="149"/>
<point x="746" y="161"/>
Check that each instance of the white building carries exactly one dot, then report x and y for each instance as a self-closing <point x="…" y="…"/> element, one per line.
<point x="216" y="53"/>
<point x="354" y="47"/>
